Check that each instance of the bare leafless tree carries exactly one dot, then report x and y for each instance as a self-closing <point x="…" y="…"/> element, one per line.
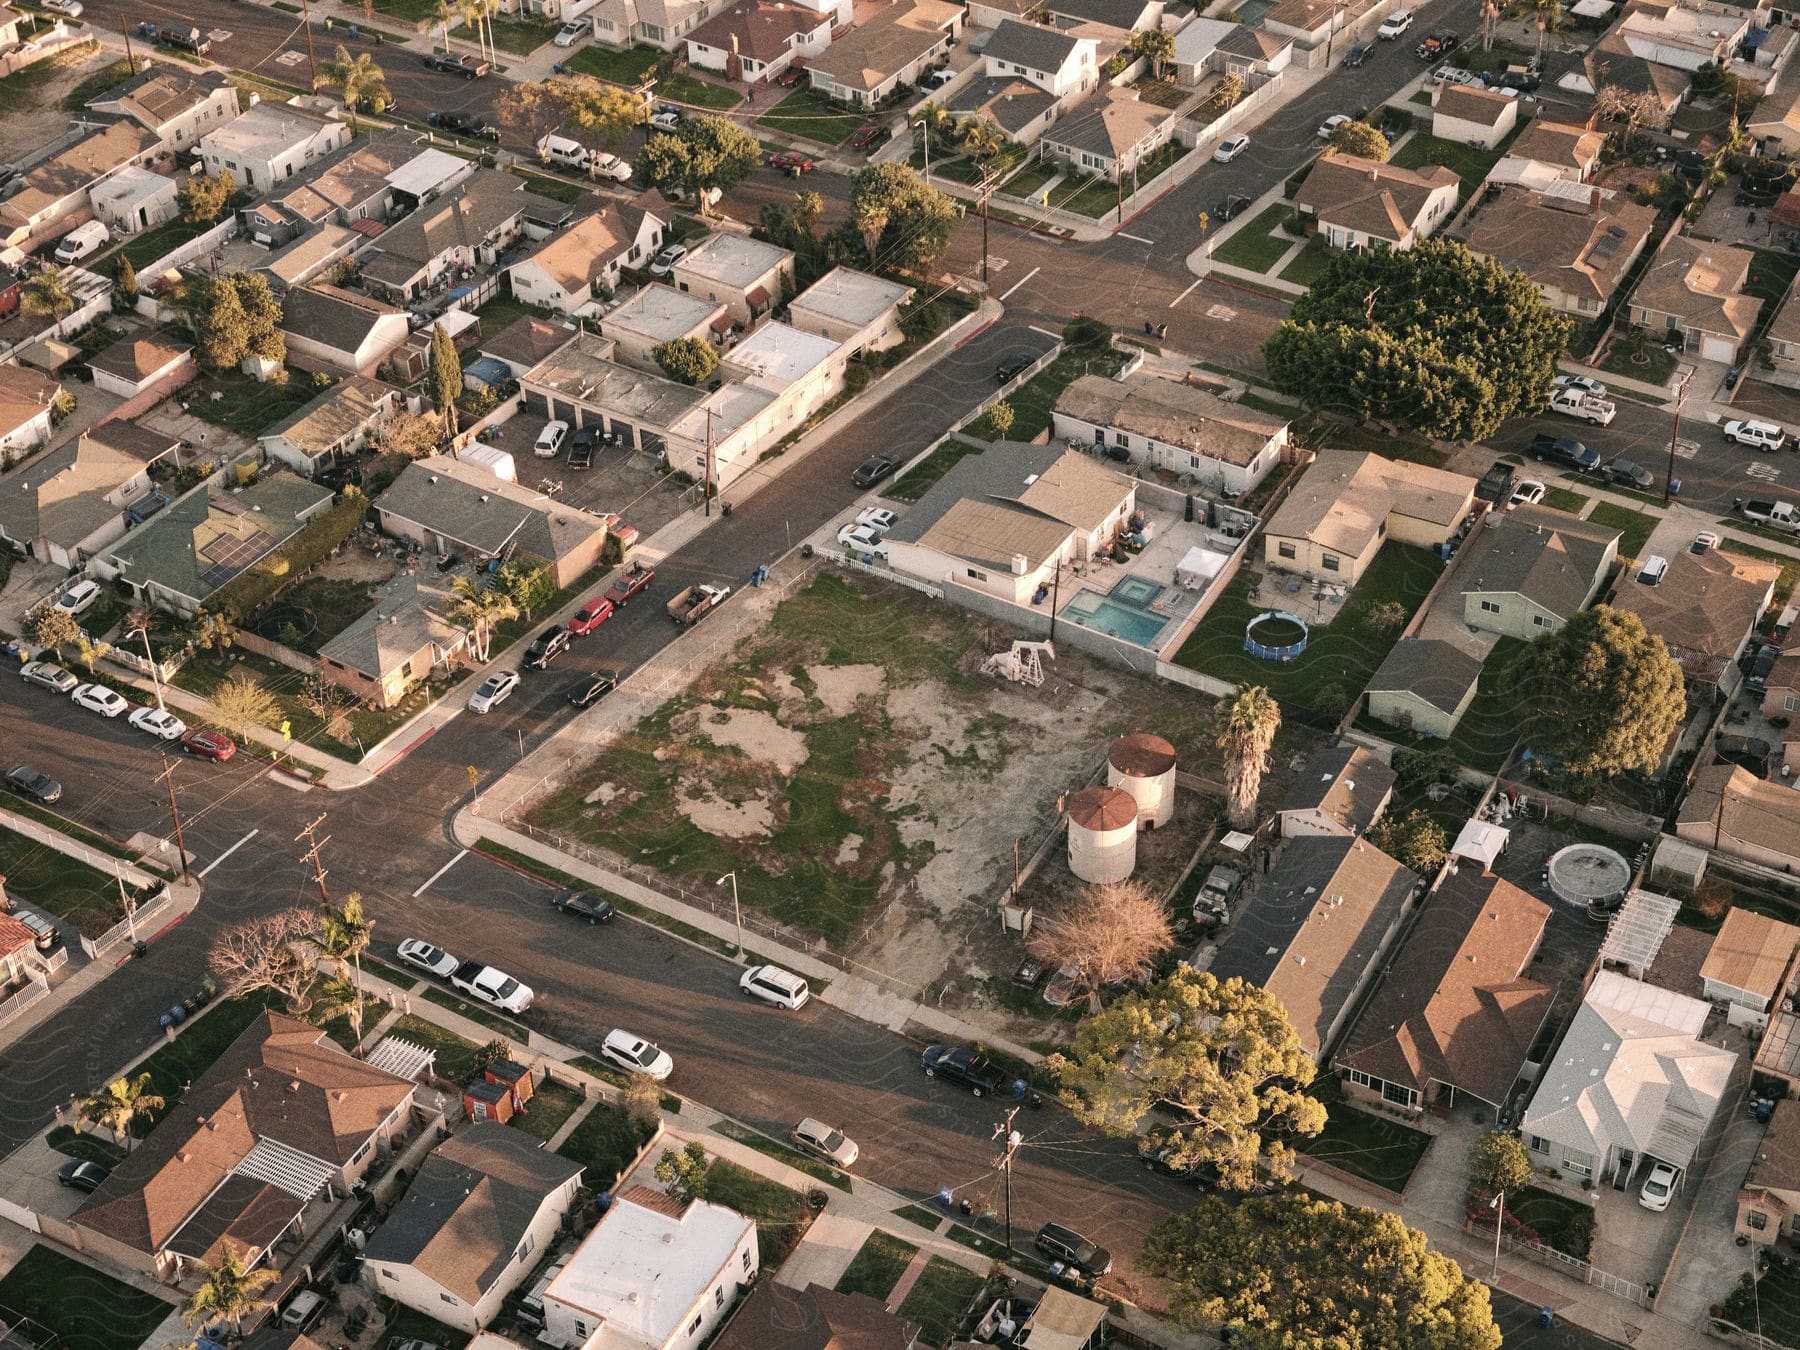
<point x="331" y="703"/>
<point x="1110" y="933"/>
<point x="276" y="952"/>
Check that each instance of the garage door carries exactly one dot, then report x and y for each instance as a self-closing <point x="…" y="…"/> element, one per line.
<point x="626" y="433"/>
<point x="1717" y="349"/>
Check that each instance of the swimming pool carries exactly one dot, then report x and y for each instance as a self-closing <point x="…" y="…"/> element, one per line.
<point x="1120" y="611"/>
<point x="1137" y="592"/>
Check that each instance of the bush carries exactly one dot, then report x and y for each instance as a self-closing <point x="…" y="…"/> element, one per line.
<point x="243" y="595"/>
<point x="857" y="377"/>
<point x="924" y="321"/>
<point x="1083" y="331"/>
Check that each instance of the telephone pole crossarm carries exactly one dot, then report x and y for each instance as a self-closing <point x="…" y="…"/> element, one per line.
<point x="314" y="844"/>
<point x="168" y="778"/>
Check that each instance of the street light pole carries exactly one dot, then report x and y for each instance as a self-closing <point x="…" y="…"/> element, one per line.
<point x="155" y="680"/>
<point x="922" y="125"/>
<point x="1499" y="1203"/>
<point x="1675" y="437"/>
<point x="737" y="913"/>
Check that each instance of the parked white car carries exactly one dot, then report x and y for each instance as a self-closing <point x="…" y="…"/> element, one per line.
<point x="1581" y="384"/>
<point x="877" y="518"/>
<point x="1528" y="493"/>
<point x="550" y="440"/>
<point x="1230" y="148"/>
<point x="79" y="598"/>
<point x="1394" y="25"/>
<point x="493" y="691"/>
<point x="636" y="1055"/>
<point x="98" y="698"/>
<point x="774" y="985"/>
<point x="821" y="1140"/>
<point x="1328" y="128"/>
<point x="492" y="986"/>
<point x="421" y="955"/>
<point x="603" y="165"/>
<point x="1757" y="435"/>
<point x="862" y="539"/>
<point x="1659" y="1188"/>
<point x="163" y="725"/>
<point x="572" y="32"/>
<point x="664" y="262"/>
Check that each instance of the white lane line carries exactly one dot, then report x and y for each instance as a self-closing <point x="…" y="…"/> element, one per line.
<point x="228" y="852"/>
<point x="1020" y="282"/>
<point x="445" y="868"/>
<point x="1185" y="294"/>
<point x="1135" y="238"/>
<point x="1054" y="337"/>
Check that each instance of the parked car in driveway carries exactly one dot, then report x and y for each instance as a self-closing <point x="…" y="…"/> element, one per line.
<point x="1529" y="492"/>
<point x="98" y="698"/>
<point x="79" y="598"/>
<point x="1496" y="484"/>
<point x="549" y="442"/>
<point x="28" y="782"/>
<point x="636" y="1055"/>
<point x="433" y="960"/>
<point x="49" y="675"/>
<point x="664" y="262"/>
<point x="572" y="32"/>
<point x="1659" y="1188"/>
<point x="877" y="518"/>
<point x="862" y="539"/>
<point x="493" y="691"/>
<point x="582" y="905"/>
<point x="870" y="135"/>
<point x="79" y="1174"/>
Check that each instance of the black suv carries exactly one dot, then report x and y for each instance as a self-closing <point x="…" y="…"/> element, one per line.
<point x="550" y="644"/>
<point x="1565" y="450"/>
<point x="465" y="124"/>
<point x="959" y="1064"/>
<point x="1230" y="209"/>
<point x="583" y="906"/>
<point x="1012" y="367"/>
<point x="581" y="447"/>
<point x="190" y="40"/>
<point x="1072" y="1249"/>
<point x="1358" y="54"/>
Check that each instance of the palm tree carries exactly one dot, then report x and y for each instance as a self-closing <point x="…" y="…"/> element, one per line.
<point x="357" y="78"/>
<point x="1546" y="16"/>
<point x="982" y="139"/>
<point x="871" y="218"/>
<point x="47" y="293"/>
<point x="1246" y="724"/>
<point x="1490" y="18"/>
<point x="1155" y="45"/>
<point x="480" y="612"/>
<point x="479" y="14"/>
<point x="228" y="1291"/>
<point x="446" y="11"/>
<point x="118" y="1105"/>
<point x="343" y="934"/>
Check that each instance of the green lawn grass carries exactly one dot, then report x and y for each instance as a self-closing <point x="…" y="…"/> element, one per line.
<point x="522" y="37"/>
<point x="553" y="188"/>
<point x="929" y="1219"/>
<point x="1470" y="163"/>
<point x="81" y="897"/>
<point x="455" y="1054"/>
<point x="1637" y="527"/>
<point x="1259" y="245"/>
<point x="1344" y="654"/>
<point x="1309" y="263"/>
<point x="550" y="1106"/>
<point x="1561" y="499"/>
<point x="408" y="11"/>
<point x="1094" y="197"/>
<point x="916" y="481"/>
<point x="780" y="1213"/>
<point x="877" y="1266"/>
<point x="940" y="1298"/>
<point x="244" y="405"/>
<point x="1561" y="1222"/>
<point x="1375" y="1148"/>
<point x="630" y="67"/>
<point x="367" y="728"/>
<point x="692" y="90"/>
<point x="1656" y="368"/>
<point x="1488" y="730"/>
<point x="806" y="115"/>
<point x="54" y="1300"/>
<point x="1030" y="180"/>
<point x="816" y="1168"/>
<point x="100" y="843"/>
<point x="604" y="1144"/>
<point x="1034" y="401"/>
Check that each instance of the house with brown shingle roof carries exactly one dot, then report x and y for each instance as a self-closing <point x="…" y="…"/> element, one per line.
<point x="1704" y="608"/>
<point x="133" y="364"/>
<point x="26" y="397"/>
<point x="1342" y="789"/>
<point x="1529" y="571"/>
<point x="1781" y="698"/>
<point x="69" y="503"/>
<point x="814" y="1318"/>
<point x="888" y="49"/>
<point x="763" y="38"/>
<point x="53" y="195"/>
<point x="1175" y="427"/>
<point x="1357" y="203"/>
<point x="1456" y="1014"/>
<point x="1349" y="503"/>
<point x="178" y="103"/>
<point x="1549" y="151"/>
<point x="1575" y="242"/>
<point x="574" y="267"/>
<point x="1731" y="810"/>
<point x="1483" y="117"/>
<point x="1424" y="684"/>
<point x="1693" y="294"/>
<point x="1110" y="134"/>
<point x="260" y="1148"/>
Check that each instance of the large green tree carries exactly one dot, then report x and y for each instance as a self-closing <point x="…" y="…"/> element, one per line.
<point x="1288" y="1272"/>
<point x="446" y="375"/>
<point x="688" y="360"/>
<point x="47" y="294"/>
<point x="1430" y="337"/>
<point x="1222" y="1054"/>
<point x="701" y="154"/>
<point x="1362" y="140"/>
<point x="1498" y="1162"/>
<point x="904" y="223"/>
<point x="1605" y="694"/>
<point x="1414" y="839"/>
<point x="235" y="317"/>
<point x="1245" y="725"/>
<point x="605" y="111"/>
<point x="204" y="197"/>
<point x="1156" y="45"/>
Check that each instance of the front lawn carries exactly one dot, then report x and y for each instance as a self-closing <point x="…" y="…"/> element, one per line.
<point x="812" y="118"/>
<point x="1636" y="524"/>
<point x="916" y="481"/>
<point x="1259" y="245"/>
<point x="698" y="93"/>
<point x="1341" y="656"/>
<point x="1029" y="181"/>
<point x="605" y="1143"/>
<point x="1309" y="263"/>
<point x="550" y="1107"/>
<point x="780" y="1213"/>
<point x="368" y="727"/>
<point x="1560" y="1221"/>
<point x="1093" y="197"/>
<point x="631" y="67"/>
<point x="455" y="1054"/>
<point x="1034" y="401"/>
<point x="877" y="1266"/>
<point x="940" y="1298"/>
<point x="1375" y="1148"/>
<point x="1773" y="1308"/>
<point x="522" y="37"/>
<point x="241" y="404"/>
<point x="1638" y="356"/>
<point x="1561" y="499"/>
<point x="816" y="1168"/>
<point x="175" y="1067"/>
<point x="408" y="11"/>
<point x="54" y="1300"/>
<point x="81" y="897"/>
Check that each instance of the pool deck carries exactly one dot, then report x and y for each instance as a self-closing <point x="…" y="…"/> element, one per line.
<point x="1171" y="538"/>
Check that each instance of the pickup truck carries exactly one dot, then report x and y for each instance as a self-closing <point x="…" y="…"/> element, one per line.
<point x="190" y="40"/>
<point x="1776" y="515"/>
<point x="960" y="1064"/>
<point x="1584" y="407"/>
<point x="488" y="985"/>
<point x="695" y="602"/>
<point x="628" y="583"/>
<point x="469" y="67"/>
<point x="1496" y="484"/>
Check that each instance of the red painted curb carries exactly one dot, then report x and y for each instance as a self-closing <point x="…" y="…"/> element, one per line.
<point x="422" y="738"/>
<point x="978" y="332"/>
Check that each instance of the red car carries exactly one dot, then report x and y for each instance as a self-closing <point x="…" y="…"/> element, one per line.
<point x="791" y="77"/>
<point x="870" y="135"/>
<point x="213" y="745"/>
<point x="594" y="613"/>
<point x="791" y="161"/>
<point x="629" y="583"/>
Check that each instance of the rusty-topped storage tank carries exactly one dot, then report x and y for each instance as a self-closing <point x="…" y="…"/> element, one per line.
<point x="1144" y="766"/>
<point x="1103" y="825"/>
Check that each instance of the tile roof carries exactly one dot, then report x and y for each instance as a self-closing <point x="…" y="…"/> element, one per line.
<point x="323" y="423"/>
<point x="1760" y="813"/>
<point x="1182" y="415"/>
<point x="1581" y="245"/>
<point x="813" y="1318"/>
<point x="1550" y="557"/>
<point x="1349" y="783"/>
<point x="406" y="618"/>
<point x="1383" y="201"/>
<point x="1751" y="952"/>
<point x="467" y="504"/>
<point x="1702" y="283"/>
<point x="14" y="936"/>
<point x="340" y="319"/>
<point x="1455" y="1006"/>
<point x="1031" y="45"/>
<point x="1109" y="124"/>
<point x="62" y="495"/>
<point x="870" y="53"/>
<point x="1704" y="607"/>
<point x="1440" y="673"/>
<point x="1346" y="497"/>
<point x="764" y="29"/>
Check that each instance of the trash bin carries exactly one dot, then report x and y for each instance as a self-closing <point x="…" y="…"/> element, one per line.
<point x="1546" y="1317"/>
<point x="1674" y="487"/>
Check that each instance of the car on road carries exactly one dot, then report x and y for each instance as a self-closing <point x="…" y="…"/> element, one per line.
<point x="592" y="688"/>
<point x="791" y="161"/>
<point x="870" y="136"/>
<point x="861" y="539"/>
<point x="572" y="32"/>
<point x="1659" y="1188"/>
<point x="449" y="63"/>
<point x="877" y="518"/>
<point x="822" y="1141"/>
<point x="1230" y="148"/>
<point x="1757" y="435"/>
<point x="664" y="262"/>
<point x="98" y="698"/>
<point x="1564" y="450"/>
<point x="163" y="725"/>
<point x="213" y="745"/>
<point x="1358" y="54"/>
<point x="1328" y="128"/>
<point x="774" y="985"/>
<point x="1230" y="209"/>
<point x="79" y="598"/>
<point x="1013" y="366"/>
<point x="68" y="8"/>
<point x="603" y="165"/>
<point x="1437" y="45"/>
<point x="629" y="583"/>
<point x="1581" y="384"/>
<point x="546" y="647"/>
<point x="48" y="675"/>
<point x="28" y="782"/>
<point x="1620" y="470"/>
<point x="1064" y="1244"/>
<point x="1528" y="493"/>
<point x="873" y="469"/>
<point x="583" y="905"/>
<point x="491" y="986"/>
<point x="421" y="955"/>
<point x="959" y="1064"/>
<point x="1496" y="484"/>
<point x="1775" y="515"/>
<point x="79" y="1174"/>
<point x="636" y="1055"/>
<point x="549" y="442"/>
<point x="1394" y="25"/>
<point x="493" y="691"/>
<point x="190" y="40"/>
<point x="1163" y="1158"/>
<point x="465" y="124"/>
<point x="590" y="616"/>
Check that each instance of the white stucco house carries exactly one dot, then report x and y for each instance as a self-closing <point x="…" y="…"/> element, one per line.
<point x="270" y="144"/>
<point x="1164" y="424"/>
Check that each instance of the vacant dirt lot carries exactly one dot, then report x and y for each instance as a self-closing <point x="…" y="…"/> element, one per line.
<point x="861" y="776"/>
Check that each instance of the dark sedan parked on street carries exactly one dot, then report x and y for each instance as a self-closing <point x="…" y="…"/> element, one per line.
<point x="583" y="906"/>
<point x="28" y="782"/>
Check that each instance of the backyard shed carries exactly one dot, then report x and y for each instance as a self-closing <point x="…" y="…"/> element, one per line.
<point x="512" y="1076"/>
<point x="1481" y="842"/>
<point x="1103" y="823"/>
<point x="484" y="1099"/>
<point x="1143" y="765"/>
<point x="495" y="460"/>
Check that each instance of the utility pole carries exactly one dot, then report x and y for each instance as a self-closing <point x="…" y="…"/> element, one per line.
<point x="314" y="844"/>
<point x="709" y="461"/>
<point x="986" y="190"/>
<point x="1675" y="437"/>
<point x="168" y="777"/>
<point x="1004" y="1131"/>
<point x="312" y="65"/>
<point x="130" y="60"/>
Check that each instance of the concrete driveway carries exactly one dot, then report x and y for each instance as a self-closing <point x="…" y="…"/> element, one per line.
<point x="28" y="1178"/>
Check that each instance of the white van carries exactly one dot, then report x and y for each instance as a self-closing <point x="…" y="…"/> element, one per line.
<point x="83" y="241"/>
<point x="562" y="151"/>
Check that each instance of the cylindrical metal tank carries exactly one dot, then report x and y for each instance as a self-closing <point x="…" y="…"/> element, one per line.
<point x="1103" y="823"/>
<point x="1144" y="766"/>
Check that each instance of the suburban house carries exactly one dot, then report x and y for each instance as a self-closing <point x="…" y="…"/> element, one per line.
<point x="1342" y="789"/>
<point x="1472" y="117"/>
<point x="1126" y="16"/>
<point x="1749" y="960"/>
<point x="26" y="399"/>
<point x="475" y="1219"/>
<point x="1783" y="337"/>
<point x="266" y="1143"/>
<point x="1532" y="569"/>
<point x="659" y="314"/>
<point x="142" y="443"/>
<point x="1548" y="151"/>
<point x="468" y="227"/>
<point x="891" y="48"/>
<point x="178" y="558"/>
<point x="859" y="311"/>
<point x="1670" y="34"/>
<point x="369" y="180"/>
<point x="1731" y="810"/>
<point x="1179" y="428"/>
<point x="814" y="1318"/>
<point x="338" y="423"/>
<point x="577" y="266"/>
<point x="1768" y="1203"/>
<point x="19" y="960"/>
<point x="271" y="143"/>
<point x="176" y="102"/>
<point x="131" y="365"/>
<point x="53" y="193"/>
<point x="1456" y="1014"/>
<point x="1705" y="608"/>
<point x="450" y="506"/>
<point x="1017" y="106"/>
<point x="1575" y="242"/>
<point x="524" y="342"/>
<point x="1775" y="121"/>
<point x="1111" y="134"/>
<point x="747" y="276"/>
<point x="135" y="199"/>
<point x="1611" y="61"/>
<point x="71" y="502"/>
<point x="1632" y="1084"/>
<point x="307" y="257"/>
<point x="1206" y="47"/>
<point x="665" y="23"/>
<point x="1357" y="203"/>
<point x="339" y="329"/>
<point x="654" y="1274"/>
<point x="1781" y="698"/>
<point x="401" y="640"/>
<point x="1350" y="503"/>
<point x="1693" y="293"/>
<point x="1004" y="521"/>
<point x="758" y="39"/>
<point x="1316" y="928"/>
<point x="582" y="384"/>
<point x="1063" y="64"/>
<point x="1424" y="685"/>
